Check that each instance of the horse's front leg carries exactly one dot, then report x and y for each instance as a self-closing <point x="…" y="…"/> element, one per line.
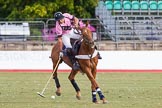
<point x="94" y="85"/>
<point x="57" y="83"/>
<point x="55" y="56"/>
<point x="75" y="85"/>
<point x="94" y="98"/>
<point x="55" y="77"/>
<point x="97" y="89"/>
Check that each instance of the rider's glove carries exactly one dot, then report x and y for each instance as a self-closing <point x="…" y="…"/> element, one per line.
<point x="61" y="54"/>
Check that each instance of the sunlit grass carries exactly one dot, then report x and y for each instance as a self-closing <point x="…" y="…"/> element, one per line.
<point x="123" y="90"/>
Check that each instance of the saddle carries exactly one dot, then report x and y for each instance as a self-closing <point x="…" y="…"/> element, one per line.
<point x="75" y="47"/>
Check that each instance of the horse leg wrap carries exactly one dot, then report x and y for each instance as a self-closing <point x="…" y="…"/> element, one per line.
<point x="94" y="99"/>
<point x="57" y="82"/>
<point x="75" y="85"/>
<point x="100" y="93"/>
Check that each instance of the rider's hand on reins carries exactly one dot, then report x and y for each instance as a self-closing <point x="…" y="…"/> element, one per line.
<point x="76" y="26"/>
<point x="77" y="29"/>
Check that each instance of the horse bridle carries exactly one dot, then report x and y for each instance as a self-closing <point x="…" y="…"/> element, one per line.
<point x="87" y="41"/>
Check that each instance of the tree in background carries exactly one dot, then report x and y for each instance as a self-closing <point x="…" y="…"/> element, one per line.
<point x="33" y="9"/>
<point x="85" y="8"/>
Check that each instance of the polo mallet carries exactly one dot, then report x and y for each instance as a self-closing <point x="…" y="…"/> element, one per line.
<point x="42" y="93"/>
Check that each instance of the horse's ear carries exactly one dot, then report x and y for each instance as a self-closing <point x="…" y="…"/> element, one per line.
<point x="87" y="23"/>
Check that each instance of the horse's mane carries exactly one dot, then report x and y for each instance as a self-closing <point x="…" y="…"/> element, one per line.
<point x="85" y="27"/>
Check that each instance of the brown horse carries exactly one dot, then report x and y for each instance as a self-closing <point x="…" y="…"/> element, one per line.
<point x="88" y="60"/>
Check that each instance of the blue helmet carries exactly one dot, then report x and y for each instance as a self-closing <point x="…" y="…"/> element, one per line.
<point x="58" y="16"/>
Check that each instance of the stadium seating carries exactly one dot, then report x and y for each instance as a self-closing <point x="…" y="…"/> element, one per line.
<point x="101" y="3"/>
<point x="117" y="5"/>
<point x="153" y="5"/>
<point x="135" y="5"/>
<point x="109" y="5"/>
<point x="144" y="5"/>
<point x="132" y="18"/>
<point x="127" y="5"/>
<point x="160" y="5"/>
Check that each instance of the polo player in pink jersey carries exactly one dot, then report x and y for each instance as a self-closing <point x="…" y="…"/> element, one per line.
<point x="64" y="30"/>
<point x="65" y="24"/>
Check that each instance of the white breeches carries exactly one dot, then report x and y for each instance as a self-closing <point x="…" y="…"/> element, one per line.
<point x="66" y="38"/>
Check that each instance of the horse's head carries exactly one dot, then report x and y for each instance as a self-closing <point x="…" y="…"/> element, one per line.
<point x="87" y="36"/>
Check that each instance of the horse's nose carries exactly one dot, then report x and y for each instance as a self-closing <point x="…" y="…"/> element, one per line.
<point x="90" y="42"/>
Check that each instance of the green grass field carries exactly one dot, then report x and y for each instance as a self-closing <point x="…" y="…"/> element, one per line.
<point x="123" y="90"/>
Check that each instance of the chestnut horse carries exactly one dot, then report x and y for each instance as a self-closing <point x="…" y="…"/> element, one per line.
<point x="87" y="59"/>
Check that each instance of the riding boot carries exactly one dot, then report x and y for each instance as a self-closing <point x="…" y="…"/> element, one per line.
<point x="73" y="60"/>
<point x="98" y="54"/>
<point x="75" y="63"/>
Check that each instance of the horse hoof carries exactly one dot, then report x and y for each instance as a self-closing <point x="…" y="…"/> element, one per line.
<point x="78" y="97"/>
<point x="96" y="102"/>
<point x="58" y="93"/>
<point x="105" y="101"/>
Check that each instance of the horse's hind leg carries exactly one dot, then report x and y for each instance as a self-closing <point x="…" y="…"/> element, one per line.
<point x="75" y="85"/>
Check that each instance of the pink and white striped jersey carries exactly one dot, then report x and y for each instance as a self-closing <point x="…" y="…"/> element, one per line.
<point x="67" y="23"/>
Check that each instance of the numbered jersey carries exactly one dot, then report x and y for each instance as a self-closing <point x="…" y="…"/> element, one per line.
<point x="65" y="27"/>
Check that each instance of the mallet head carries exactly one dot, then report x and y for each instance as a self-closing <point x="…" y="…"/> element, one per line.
<point x="40" y="94"/>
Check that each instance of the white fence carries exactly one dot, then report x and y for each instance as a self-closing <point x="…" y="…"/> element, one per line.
<point x="112" y="60"/>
